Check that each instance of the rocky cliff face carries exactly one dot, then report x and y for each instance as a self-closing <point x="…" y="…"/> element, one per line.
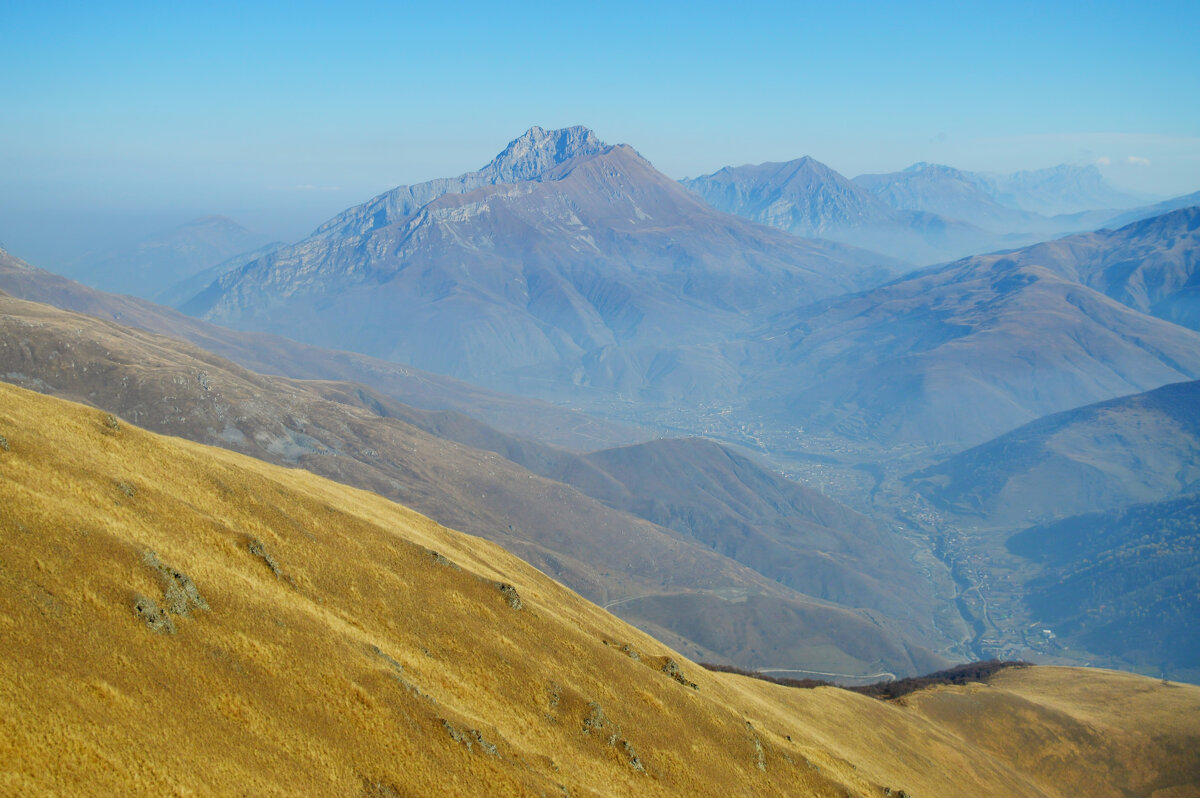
<point x="527" y="157"/>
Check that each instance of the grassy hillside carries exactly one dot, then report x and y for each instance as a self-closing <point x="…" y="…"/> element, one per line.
<point x="176" y="618"/>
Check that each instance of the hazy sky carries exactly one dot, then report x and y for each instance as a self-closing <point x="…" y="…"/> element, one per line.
<point x="116" y="118"/>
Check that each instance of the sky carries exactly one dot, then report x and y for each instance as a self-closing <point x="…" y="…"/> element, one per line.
<point x="121" y="118"/>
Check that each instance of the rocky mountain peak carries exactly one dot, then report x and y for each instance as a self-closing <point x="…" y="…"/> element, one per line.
<point x="538" y="150"/>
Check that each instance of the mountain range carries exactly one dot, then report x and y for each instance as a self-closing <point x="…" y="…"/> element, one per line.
<point x="925" y="213"/>
<point x="1028" y="201"/>
<point x="580" y="272"/>
<point x="1058" y="190"/>
<point x="934" y="188"/>
<point x="807" y="198"/>
<point x="1010" y="441"/>
<point x="595" y="277"/>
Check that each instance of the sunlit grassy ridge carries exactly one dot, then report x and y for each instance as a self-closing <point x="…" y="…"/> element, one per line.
<point x="322" y="647"/>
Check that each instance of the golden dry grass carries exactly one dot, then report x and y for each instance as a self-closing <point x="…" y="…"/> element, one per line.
<point x="354" y="670"/>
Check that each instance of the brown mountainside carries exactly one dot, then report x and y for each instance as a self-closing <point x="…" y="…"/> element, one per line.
<point x="177" y="618"/>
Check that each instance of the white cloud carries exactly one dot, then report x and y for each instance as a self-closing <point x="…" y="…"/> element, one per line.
<point x="1138" y="161"/>
<point x="1104" y="160"/>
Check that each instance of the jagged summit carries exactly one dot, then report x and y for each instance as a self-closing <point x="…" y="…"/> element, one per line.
<point x="939" y="169"/>
<point x="536" y="150"/>
<point x="527" y="157"/>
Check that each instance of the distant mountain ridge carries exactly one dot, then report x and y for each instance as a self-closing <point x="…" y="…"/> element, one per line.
<point x="807" y="198"/>
<point x="1056" y="190"/>
<point x="924" y="213"/>
<point x="1027" y="201"/>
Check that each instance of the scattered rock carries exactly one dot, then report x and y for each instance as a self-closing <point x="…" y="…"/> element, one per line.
<point x="180" y="593"/>
<point x="259" y="550"/>
<point x="377" y="789"/>
<point x="488" y="748"/>
<point x="112" y="422"/>
<point x="595" y="719"/>
<point x="4" y="444"/>
<point x="672" y="669"/>
<point x="397" y="673"/>
<point x="456" y="735"/>
<point x="470" y="738"/>
<point x="204" y="381"/>
<point x="759" y="755"/>
<point x="154" y="617"/>
<point x="634" y="761"/>
<point x="510" y="593"/>
<point x="555" y="694"/>
<point x="446" y="561"/>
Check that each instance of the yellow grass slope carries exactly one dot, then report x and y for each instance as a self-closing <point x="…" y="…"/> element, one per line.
<point x="321" y="647"/>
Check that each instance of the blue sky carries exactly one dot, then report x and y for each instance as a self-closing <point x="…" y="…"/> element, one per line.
<point x="119" y="117"/>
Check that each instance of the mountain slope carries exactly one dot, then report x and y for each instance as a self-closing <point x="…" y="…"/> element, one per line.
<point x="1123" y="583"/>
<point x="153" y="264"/>
<point x="1138" y="448"/>
<point x="730" y="503"/>
<point x="527" y="283"/>
<point x="350" y="434"/>
<point x="962" y="353"/>
<point x="1152" y="265"/>
<point x="316" y="639"/>
<point x="807" y="198"/>
<point x="1157" y="209"/>
<point x="188" y="287"/>
<point x="781" y="529"/>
